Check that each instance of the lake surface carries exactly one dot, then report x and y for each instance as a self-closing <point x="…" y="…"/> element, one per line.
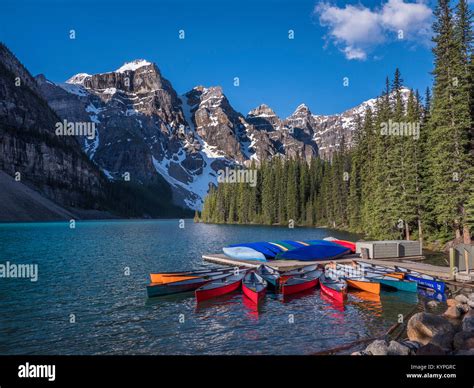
<point x="90" y="297"/>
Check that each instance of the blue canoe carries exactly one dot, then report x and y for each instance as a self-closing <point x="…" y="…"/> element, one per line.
<point x="260" y="251"/>
<point x="244" y="253"/>
<point x="317" y="250"/>
<point x="427" y="283"/>
<point x="423" y="280"/>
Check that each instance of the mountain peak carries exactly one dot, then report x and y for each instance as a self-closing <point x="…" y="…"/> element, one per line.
<point x="263" y="110"/>
<point x="132" y="66"/>
<point x="78" y="79"/>
<point x="301" y="108"/>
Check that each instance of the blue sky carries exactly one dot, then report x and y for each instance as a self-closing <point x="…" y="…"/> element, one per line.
<point x="227" y="39"/>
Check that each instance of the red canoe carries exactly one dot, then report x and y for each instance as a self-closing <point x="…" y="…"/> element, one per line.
<point x="301" y="283"/>
<point x="254" y="286"/>
<point x="219" y="287"/>
<point x="297" y="272"/>
<point x="346" y="244"/>
<point x="336" y="289"/>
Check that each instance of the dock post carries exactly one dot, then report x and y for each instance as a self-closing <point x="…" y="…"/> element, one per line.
<point x="466" y="261"/>
<point x="452" y="267"/>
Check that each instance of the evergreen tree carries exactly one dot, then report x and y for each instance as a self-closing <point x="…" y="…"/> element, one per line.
<point x="448" y="158"/>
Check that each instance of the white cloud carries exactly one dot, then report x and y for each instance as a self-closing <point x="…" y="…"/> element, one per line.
<point x="354" y="53"/>
<point x="414" y="19"/>
<point x="356" y="30"/>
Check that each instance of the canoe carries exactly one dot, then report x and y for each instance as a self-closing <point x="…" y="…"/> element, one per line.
<point x="364" y="284"/>
<point x="254" y="286"/>
<point x="159" y="277"/>
<point x="355" y="279"/>
<point x="317" y="250"/>
<point x="361" y="269"/>
<point x="379" y="274"/>
<point x="392" y="272"/>
<point x="160" y="289"/>
<point x="399" y="284"/>
<point x="301" y="283"/>
<point x="164" y="279"/>
<point x="432" y="284"/>
<point x="298" y="271"/>
<point x="270" y="275"/>
<point x="336" y="289"/>
<point x="261" y="251"/>
<point x="344" y="243"/>
<point x="244" y="253"/>
<point x="423" y="280"/>
<point x="219" y="287"/>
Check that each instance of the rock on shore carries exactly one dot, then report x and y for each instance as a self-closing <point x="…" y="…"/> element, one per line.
<point x="430" y="334"/>
<point x="422" y="327"/>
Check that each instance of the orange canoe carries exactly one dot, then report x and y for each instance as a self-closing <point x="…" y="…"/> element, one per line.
<point x="164" y="278"/>
<point x="171" y="277"/>
<point x="397" y="275"/>
<point x="364" y="285"/>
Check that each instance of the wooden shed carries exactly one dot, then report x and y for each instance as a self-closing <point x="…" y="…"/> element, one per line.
<point x="389" y="248"/>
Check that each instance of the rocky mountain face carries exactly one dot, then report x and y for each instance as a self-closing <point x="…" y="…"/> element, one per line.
<point x="147" y="133"/>
<point x="29" y="148"/>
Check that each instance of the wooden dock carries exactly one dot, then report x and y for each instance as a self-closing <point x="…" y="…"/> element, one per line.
<point x="413" y="263"/>
<point x="281" y="265"/>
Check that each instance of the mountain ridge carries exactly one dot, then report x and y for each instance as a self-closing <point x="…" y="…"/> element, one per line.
<point x="145" y="129"/>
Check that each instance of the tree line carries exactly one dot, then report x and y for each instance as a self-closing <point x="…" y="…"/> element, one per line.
<point x="408" y="172"/>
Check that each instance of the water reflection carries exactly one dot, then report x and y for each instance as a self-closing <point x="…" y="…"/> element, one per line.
<point x="300" y="295"/>
<point x="331" y="302"/>
<point x="218" y="302"/>
<point x="252" y="309"/>
<point x="366" y="301"/>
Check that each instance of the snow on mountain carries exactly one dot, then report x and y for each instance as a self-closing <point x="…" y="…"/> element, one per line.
<point x="132" y="66"/>
<point x="146" y="130"/>
<point x="78" y="78"/>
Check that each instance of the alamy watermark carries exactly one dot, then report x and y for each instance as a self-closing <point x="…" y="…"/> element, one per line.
<point x="237" y="176"/>
<point x="400" y="128"/>
<point x="19" y="271"/>
<point x="80" y="128"/>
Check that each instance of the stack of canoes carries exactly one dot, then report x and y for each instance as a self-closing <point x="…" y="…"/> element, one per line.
<point x="372" y="281"/>
<point x="334" y="281"/>
<point x="311" y="250"/>
<point x="423" y="281"/>
<point x="167" y="283"/>
<point x="393" y="277"/>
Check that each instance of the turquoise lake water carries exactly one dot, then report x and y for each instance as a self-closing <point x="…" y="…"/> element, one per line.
<point x="90" y="297"/>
